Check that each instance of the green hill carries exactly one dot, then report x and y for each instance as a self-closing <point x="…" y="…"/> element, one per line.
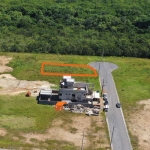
<point x="83" y="27"/>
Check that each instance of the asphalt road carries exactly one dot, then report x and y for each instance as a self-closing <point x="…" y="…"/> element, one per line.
<point x="119" y="138"/>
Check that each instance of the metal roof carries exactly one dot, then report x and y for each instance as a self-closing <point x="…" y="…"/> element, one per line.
<point x="46" y="91"/>
<point x="96" y="94"/>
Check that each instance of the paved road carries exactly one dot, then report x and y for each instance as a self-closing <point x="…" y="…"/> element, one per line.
<point x="119" y="137"/>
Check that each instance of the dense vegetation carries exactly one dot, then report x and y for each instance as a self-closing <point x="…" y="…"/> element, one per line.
<point x="83" y="27"/>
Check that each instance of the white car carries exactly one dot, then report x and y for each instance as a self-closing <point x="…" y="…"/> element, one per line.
<point x="106" y="107"/>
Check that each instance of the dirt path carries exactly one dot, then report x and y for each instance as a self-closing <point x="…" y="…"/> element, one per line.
<point x="3" y="62"/>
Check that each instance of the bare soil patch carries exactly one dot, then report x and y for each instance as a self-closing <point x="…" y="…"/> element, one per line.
<point x="10" y="85"/>
<point x="3" y="62"/>
<point x="139" y="125"/>
<point x="3" y="132"/>
<point x="67" y="133"/>
<point x="58" y="133"/>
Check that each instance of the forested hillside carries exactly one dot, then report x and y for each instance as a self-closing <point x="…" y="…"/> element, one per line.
<point x="83" y="27"/>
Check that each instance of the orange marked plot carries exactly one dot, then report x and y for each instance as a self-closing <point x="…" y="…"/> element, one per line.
<point x="82" y="66"/>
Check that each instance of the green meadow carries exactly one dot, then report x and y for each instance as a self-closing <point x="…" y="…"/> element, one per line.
<point x="22" y="114"/>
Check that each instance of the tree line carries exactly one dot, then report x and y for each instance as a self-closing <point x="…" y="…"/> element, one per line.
<point x="82" y="27"/>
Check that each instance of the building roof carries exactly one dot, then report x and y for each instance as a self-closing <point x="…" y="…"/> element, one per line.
<point x="46" y="91"/>
<point x="66" y="77"/>
<point x="96" y="94"/>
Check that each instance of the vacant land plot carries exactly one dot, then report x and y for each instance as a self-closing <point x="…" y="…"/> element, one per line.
<point x="132" y="79"/>
<point x="10" y="85"/>
<point x="139" y="124"/>
<point x="23" y="121"/>
<point x="26" y="125"/>
<point x="29" y="125"/>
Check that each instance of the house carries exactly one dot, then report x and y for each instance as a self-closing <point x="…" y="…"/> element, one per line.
<point x="70" y="91"/>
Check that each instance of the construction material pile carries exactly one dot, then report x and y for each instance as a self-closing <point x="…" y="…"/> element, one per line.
<point x="79" y="108"/>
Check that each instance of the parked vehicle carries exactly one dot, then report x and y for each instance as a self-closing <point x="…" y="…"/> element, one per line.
<point x="104" y="94"/>
<point x="106" y="103"/>
<point x="118" y="105"/>
<point x="105" y="98"/>
<point x="106" y="107"/>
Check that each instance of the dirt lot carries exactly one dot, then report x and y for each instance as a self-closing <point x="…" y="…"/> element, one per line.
<point x="10" y="85"/>
<point x="139" y="124"/>
<point x="73" y="132"/>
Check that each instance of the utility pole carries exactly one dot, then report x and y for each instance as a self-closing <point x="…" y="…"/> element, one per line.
<point x="102" y="87"/>
<point x="102" y="54"/>
<point x="98" y="67"/>
<point x="82" y="141"/>
<point x="112" y="136"/>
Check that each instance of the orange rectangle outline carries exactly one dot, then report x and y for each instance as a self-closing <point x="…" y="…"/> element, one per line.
<point x="67" y="74"/>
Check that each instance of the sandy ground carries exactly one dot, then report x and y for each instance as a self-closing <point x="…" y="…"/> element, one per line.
<point x="3" y="62"/>
<point x="57" y="133"/>
<point x="82" y="123"/>
<point x="3" y="132"/>
<point x="10" y="85"/>
<point x="139" y="125"/>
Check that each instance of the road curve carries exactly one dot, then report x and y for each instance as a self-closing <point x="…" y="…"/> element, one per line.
<point x="119" y="137"/>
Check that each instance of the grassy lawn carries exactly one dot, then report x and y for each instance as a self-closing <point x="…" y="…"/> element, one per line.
<point x="64" y="69"/>
<point x="132" y="79"/>
<point x="28" y="67"/>
<point x="21" y="114"/>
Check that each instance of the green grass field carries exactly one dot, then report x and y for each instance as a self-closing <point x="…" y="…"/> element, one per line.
<point x="28" y="67"/>
<point x="64" y="69"/>
<point x="132" y="78"/>
<point x="21" y="114"/>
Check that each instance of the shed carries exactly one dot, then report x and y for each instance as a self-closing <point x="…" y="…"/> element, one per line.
<point x="59" y="105"/>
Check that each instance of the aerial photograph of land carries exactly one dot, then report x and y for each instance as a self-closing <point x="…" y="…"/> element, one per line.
<point x="74" y="75"/>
